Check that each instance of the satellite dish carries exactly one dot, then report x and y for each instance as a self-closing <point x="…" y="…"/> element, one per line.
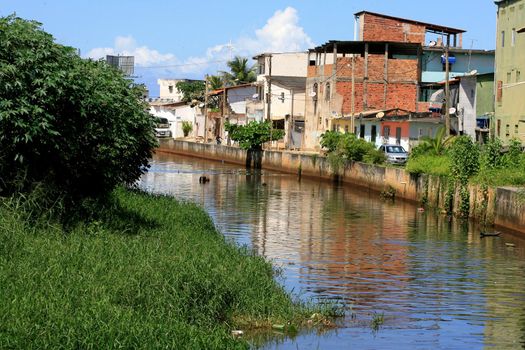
<point x="452" y="110"/>
<point x="380" y="115"/>
<point x="473" y="72"/>
<point x="432" y="43"/>
<point x="312" y="94"/>
<point x="201" y="105"/>
<point x="255" y="96"/>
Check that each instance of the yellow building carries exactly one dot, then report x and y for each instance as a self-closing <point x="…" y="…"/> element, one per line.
<point x="510" y="71"/>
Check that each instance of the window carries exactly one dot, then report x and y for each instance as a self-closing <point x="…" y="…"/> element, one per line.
<point x="502" y="38"/>
<point x="420" y="133"/>
<point x="516" y="128"/>
<point x="261" y="68"/>
<point x="282" y="97"/>
<point x="314" y="97"/>
<point x="498" y="128"/>
<point x="320" y="120"/>
<point x="327" y="92"/>
<point x="398" y="136"/>
<point x="509" y="77"/>
<point x="518" y="76"/>
<point x="362" y="131"/>
<point x="170" y="89"/>
<point x="507" y="130"/>
<point x="373" y="134"/>
<point x="346" y="129"/>
<point x="386" y="132"/>
<point x="513" y="37"/>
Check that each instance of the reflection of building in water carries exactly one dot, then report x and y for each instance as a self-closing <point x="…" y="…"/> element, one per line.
<point x="339" y="238"/>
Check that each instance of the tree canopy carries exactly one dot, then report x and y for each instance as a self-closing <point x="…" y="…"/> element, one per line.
<point x="240" y="72"/>
<point x="77" y="126"/>
<point x="252" y="135"/>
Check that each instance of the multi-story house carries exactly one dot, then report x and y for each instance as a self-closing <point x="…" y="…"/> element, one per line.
<point x="280" y="95"/>
<point x="510" y="70"/>
<point x="393" y="65"/>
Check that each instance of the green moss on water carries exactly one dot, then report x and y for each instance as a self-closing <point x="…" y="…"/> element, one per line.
<point x="150" y="272"/>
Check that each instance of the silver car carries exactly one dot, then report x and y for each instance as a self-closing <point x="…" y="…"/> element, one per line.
<point x="395" y="154"/>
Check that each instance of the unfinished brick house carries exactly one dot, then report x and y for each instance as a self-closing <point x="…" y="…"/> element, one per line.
<point x="380" y="70"/>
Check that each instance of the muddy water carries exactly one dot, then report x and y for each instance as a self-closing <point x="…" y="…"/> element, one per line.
<point x="438" y="284"/>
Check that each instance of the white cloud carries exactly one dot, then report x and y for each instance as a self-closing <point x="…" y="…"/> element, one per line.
<point x="281" y="33"/>
<point x="127" y="46"/>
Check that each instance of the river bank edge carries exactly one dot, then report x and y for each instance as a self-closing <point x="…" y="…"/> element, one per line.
<point x="150" y="272"/>
<point x="489" y="206"/>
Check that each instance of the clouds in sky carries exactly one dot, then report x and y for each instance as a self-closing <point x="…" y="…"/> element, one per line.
<point x="281" y="33"/>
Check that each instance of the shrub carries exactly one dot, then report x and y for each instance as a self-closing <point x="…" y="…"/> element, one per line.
<point x="330" y="140"/>
<point x="77" y="126"/>
<point x="187" y="127"/>
<point x="254" y="134"/>
<point x="490" y="154"/>
<point x="464" y="156"/>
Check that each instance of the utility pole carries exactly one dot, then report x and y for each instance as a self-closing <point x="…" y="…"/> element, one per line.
<point x="206" y="109"/>
<point x="269" y="97"/>
<point x="447" y="93"/>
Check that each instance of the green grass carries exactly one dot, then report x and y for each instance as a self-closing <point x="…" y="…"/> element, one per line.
<point x="429" y="164"/>
<point x="509" y="176"/>
<point x="151" y="272"/>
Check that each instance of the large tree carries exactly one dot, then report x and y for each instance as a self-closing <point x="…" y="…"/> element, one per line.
<point x="76" y="126"/>
<point x="240" y="72"/>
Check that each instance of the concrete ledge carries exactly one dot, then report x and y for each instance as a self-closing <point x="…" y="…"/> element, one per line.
<point x="502" y="206"/>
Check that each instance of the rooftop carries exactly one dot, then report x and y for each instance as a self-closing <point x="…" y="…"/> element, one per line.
<point x="434" y="28"/>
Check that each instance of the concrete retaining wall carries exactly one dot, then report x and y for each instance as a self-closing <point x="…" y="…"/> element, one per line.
<point x="501" y="206"/>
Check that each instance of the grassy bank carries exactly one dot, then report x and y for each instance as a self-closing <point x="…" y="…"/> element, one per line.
<point x="149" y="273"/>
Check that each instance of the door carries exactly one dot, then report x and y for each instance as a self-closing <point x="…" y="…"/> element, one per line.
<point x="398" y="136"/>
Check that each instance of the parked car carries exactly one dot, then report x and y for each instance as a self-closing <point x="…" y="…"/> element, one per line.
<point x="395" y="154"/>
<point x="162" y="127"/>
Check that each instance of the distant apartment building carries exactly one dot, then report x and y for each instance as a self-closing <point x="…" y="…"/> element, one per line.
<point x="510" y="70"/>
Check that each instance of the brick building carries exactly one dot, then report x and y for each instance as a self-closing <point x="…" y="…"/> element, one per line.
<point x="380" y="70"/>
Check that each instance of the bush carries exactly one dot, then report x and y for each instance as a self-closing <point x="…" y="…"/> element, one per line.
<point x="464" y="156"/>
<point x="77" y="126"/>
<point x="187" y="127"/>
<point x="252" y="135"/>
<point x="351" y="148"/>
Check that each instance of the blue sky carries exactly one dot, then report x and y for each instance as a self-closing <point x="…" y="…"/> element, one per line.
<point x="187" y="39"/>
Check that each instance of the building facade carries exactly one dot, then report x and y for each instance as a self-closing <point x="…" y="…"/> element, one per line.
<point x="510" y="70"/>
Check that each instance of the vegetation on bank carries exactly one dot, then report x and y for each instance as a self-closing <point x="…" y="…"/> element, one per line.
<point x="489" y="164"/>
<point x="254" y="134"/>
<point x="146" y="272"/>
<point x="346" y="147"/>
<point x="86" y="264"/>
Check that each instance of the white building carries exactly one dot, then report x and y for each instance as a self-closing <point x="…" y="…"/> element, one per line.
<point x="284" y="98"/>
<point x="176" y="113"/>
<point x="168" y="89"/>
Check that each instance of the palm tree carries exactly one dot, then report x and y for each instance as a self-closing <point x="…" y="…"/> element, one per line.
<point x="437" y="144"/>
<point x="240" y="72"/>
<point x="215" y="82"/>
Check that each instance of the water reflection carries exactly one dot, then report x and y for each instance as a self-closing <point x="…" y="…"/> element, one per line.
<point x="439" y="284"/>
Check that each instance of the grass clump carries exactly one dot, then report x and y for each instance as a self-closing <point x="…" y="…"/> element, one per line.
<point x="429" y="164"/>
<point x="148" y="272"/>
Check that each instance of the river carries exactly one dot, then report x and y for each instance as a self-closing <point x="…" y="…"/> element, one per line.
<point x="438" y="283"/>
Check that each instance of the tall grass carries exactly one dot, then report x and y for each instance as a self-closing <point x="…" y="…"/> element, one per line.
<point x="150" y="272"/>
<point x="429" y="164"/>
